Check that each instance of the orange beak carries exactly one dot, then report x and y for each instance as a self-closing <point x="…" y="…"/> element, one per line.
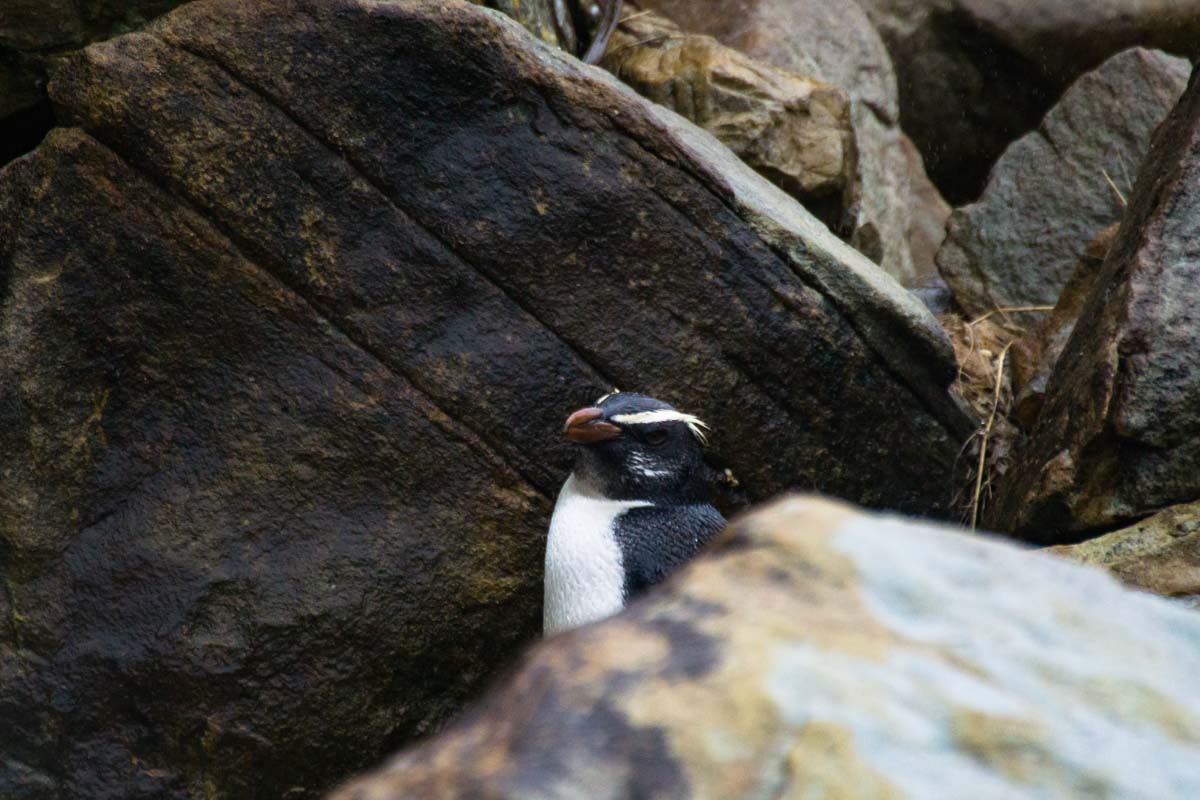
<point x="585" y="427"/>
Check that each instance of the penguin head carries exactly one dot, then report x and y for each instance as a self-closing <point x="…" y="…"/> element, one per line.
<point x="634" y="447"/>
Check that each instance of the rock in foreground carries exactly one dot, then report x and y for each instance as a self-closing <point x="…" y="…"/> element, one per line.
<point x="819" y="652"/>
<point x="290" y="322"/>
<point x="32" y="31"/>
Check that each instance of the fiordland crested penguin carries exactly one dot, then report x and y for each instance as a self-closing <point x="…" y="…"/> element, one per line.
<point x="635" y="507"/>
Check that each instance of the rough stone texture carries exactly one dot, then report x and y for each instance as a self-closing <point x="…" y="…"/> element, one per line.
<point x="1119" y="435"/>
<point x="834" y="43"/>
<point x="288" y="325"/>
<point x="1048" y="195"/>
<point x="31" y="31"/>
<point x="794" y="131"/>
<point x="1035" y="353"/>
<point x="1160" y="554"/>
<point x="976" y="74"/>
<point x="818" y="652"/>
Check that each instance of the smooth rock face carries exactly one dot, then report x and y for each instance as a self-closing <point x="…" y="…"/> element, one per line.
<point x="794" y="131"/>
<point x="819" y="652"/>
<point x="1160" y="554"/>
<point x="1119" y="435"/>
<point x="976" y="74"/>
<point x="1048" y="195"/>
<point x="834" y="43"/>
<point x="289" y="324"/>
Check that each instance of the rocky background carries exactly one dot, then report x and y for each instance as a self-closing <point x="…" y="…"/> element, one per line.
<point x="294" y="297"/>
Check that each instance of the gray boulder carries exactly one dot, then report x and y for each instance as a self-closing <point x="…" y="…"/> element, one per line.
<point x="1048" y="196"/>
<point x="1118" y="437"/>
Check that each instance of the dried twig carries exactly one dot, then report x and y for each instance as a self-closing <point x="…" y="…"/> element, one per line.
<point x="632" y="17"/>
<point x="1005" y="311"/>
<point x="987" y="432"/>
<point x="610" y="13"/>
<point x="1117" y="191"/>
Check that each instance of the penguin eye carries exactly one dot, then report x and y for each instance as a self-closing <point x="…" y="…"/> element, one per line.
<point x="656" y="437"/>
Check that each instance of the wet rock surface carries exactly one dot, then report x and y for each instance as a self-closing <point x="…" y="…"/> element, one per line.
<point x="1055" y="188"/>
<point x="818" y="651"/>
<point x="976" y="74"/>
<point x="1117" y="437"/>
<point x="836" y="44"/>
<point x="285" y="350"/>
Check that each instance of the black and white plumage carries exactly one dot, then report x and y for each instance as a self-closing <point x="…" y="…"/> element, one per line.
<point x="635" y="507"/>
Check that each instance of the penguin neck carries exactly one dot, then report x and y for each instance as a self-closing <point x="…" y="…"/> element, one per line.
<point x="591" y="478"/>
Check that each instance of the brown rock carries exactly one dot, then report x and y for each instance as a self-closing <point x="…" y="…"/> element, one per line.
<point x="290" y="321"/>
<point x="1049" y="194"/>
<point x="1118" y="436"/>
<point x="794" y="131"/>
<point x="834" y="43"/>
<point x="1036" y="353"/>
<point x="818" y="652"/>
<point x="928" y="217"/>
<point x="1160" y="554"/>
<point x="976" y="74"/>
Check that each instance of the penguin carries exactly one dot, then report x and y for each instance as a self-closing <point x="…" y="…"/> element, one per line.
<point x="636" y="506"/>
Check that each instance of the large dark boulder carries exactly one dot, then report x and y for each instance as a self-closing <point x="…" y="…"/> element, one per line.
<point x="1118" y="437"/>
<point x="819" y="652"/>
<point x="290" y="320"/>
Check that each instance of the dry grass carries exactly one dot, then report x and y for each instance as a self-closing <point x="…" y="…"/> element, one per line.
<point x="981" y="347"/>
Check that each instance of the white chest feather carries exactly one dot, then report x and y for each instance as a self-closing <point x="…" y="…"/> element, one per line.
<point x="585" y="578"/>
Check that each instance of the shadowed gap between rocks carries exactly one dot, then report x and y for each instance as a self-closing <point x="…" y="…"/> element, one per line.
<point x="962" y="182"/>
<point x="24" y="130"/>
